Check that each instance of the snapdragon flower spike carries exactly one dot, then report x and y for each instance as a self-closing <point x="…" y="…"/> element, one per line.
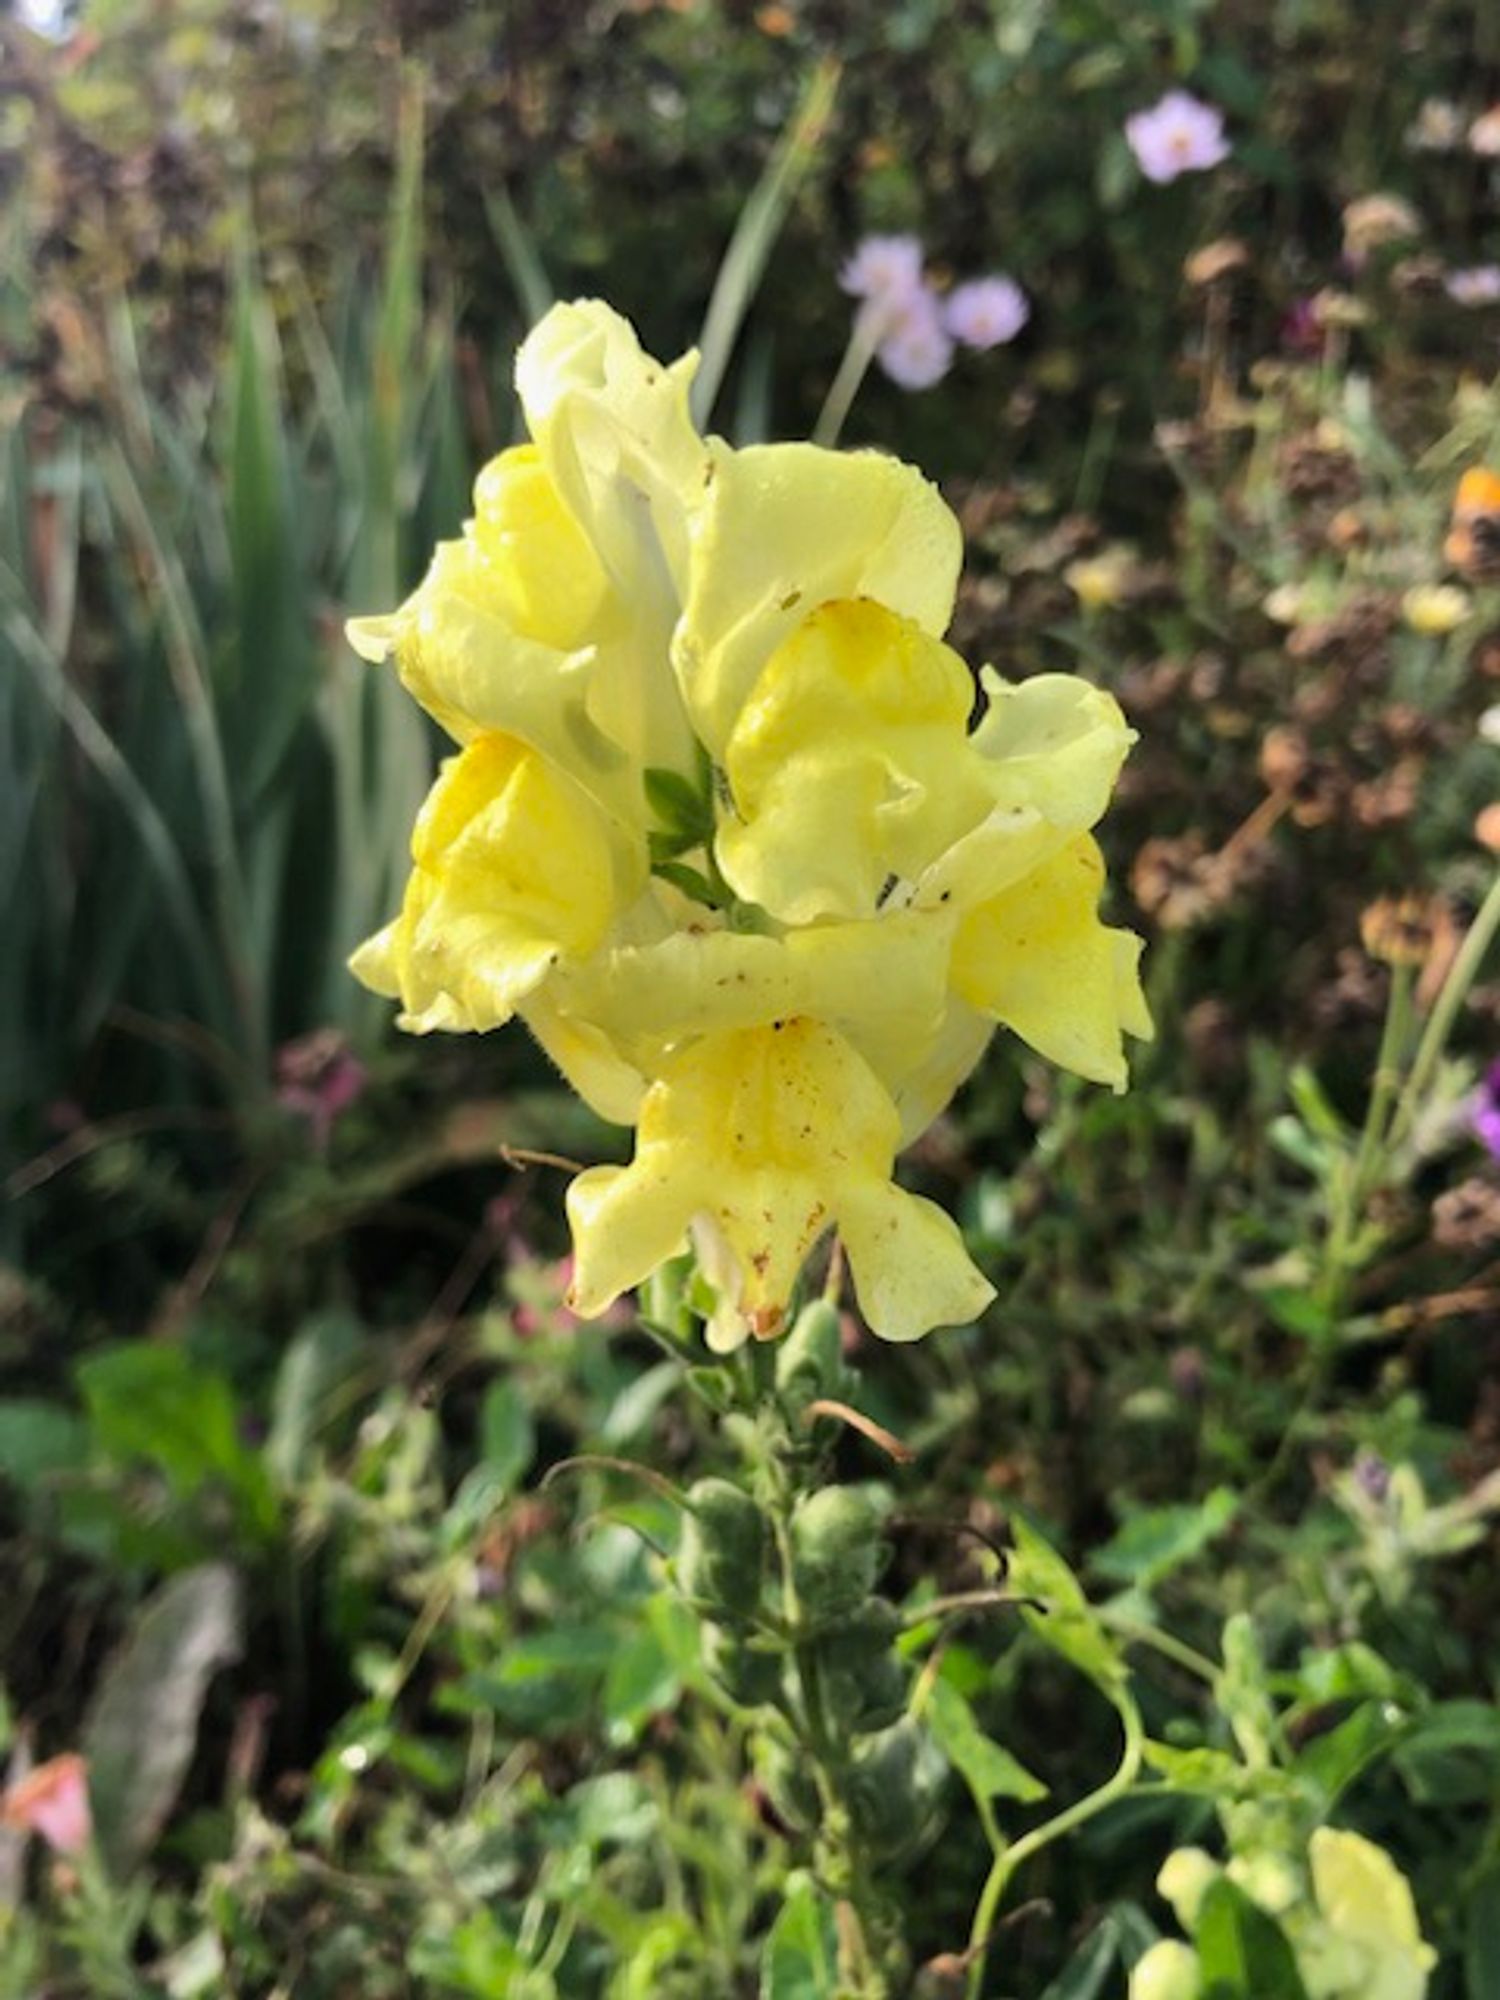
<point x="719" y="833"/>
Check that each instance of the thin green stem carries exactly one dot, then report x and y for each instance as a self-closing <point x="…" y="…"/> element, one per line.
<point x="1010" y="1859"/>
<point x="1455" y="990"/>
<point x="864" y="338"/>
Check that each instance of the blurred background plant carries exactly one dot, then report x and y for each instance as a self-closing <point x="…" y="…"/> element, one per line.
<point x="283" y="1358"/>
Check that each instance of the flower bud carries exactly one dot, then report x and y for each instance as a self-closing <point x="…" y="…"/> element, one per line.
<point x="721" y="1557"/>
<point x="893" y="1788"/>
<point x="1169" y="1971"/>
<point x="809" y="1362"/>
<point x="748" y="1674"/>
<point x="1185" y="1879"/>
<point x="864" y="1683"/>
<point x="789" y="1784"/>
<point x="836" y="1553"/>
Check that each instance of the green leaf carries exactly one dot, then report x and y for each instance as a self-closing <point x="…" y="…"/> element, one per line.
<point x="682" y="807"/>
<point x="989" y="1770"/>
<point x="1242" y="1953"/>
<point x="1085" y="1973"/>
<point x="1296" y="1311"/>
<point x="800" y="1958"/>
<point x="143" y="1726"/>
<point x="1202" y="1773"/>
<point x="642" y="1681"/>
<point x="1482" y="1937"/>
<point x="1334" y="1760"/>
<point x="37" y="1440"/>
<point x="1068" y="1623"/>
<point x="1451" y="1754"/>
<point x="315" y="1364"/>
<point x="756" y="231"/>
<point x="149" y="1401"/>
<point x="1157" y="1540"/>
<point x="507" y="1435"/>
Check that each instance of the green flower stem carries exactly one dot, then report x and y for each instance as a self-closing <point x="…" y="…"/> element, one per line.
<point x="842" y="1863"/>
<point x="1455" y="990"/>
<point x="1009" y="1859"/>
<point x="1365" y="1169"/>
<point x="864" y="338"/>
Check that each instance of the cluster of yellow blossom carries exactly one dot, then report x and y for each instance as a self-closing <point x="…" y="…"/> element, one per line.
<point x="1350" y="1920"/>
<point x="719" y="832"/>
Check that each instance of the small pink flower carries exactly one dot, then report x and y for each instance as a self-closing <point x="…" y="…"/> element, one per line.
<point x="317" y="1078"/>
<point x="1178" y="135"/>
<point x="986" y="312"/>
<point x="52" y="1800"/>
<point x="1484" y="134"/>
<point x="886" y="270"/>
<point x="915" y="349"/>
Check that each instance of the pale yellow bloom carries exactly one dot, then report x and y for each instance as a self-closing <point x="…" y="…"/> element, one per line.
<point x="551" y="620"/>
<point x="784" y="528"/>
<point x="847" y="764"/>
<point x="882" y="985"/>
<point x="514" y="867"/>
<point x="757" y="1141"/>
<point x="1168" y="1971"/>
<point x="1435" y="609"/>
<point x="1102" y="580"/>
<point x="721" y="836"/>
<point x="1369" y="1945"/>
<point x="1185" y="1878"/>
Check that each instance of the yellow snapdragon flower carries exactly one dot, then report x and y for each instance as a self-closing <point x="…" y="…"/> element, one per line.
<point x="1349" y="1918"/>
<point x="514" y="868"/>
<point x="721" y="834"/>
<point x="1366" y="1943"/>
<point x="755" y="1142"/>
<point x="551" y="619"/>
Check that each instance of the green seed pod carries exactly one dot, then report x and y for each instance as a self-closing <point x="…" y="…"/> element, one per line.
<point x="748" y="1674"/>
<point x="789" y="1784"/>
<point x="722" y="1555"/>
<point x="894" y="1788"/>
<point x="836" y="1553"/>
<point x="864" y="1683"/>
<point x="809" y="1362"/>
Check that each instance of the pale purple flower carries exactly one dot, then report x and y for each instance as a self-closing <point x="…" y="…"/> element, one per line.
<point x="1478" y="285"/>
<point x="915" y="348"/>
<point x="886" y="270"/>
<point x="1178" y="135"/>
<point x="986" y="312"/>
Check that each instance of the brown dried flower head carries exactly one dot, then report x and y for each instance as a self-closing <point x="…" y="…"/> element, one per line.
<point x="1403" y="930"/>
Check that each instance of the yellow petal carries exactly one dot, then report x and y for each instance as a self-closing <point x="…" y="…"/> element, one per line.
<point x="764" y="1137"/>
<point x="785" y="528"/>
<point x="847" y="765"/>
<point x="1053" y="743"/>
<point x="586" y="1056"/>
<point x="907" y="1257"/>
<point x="920" y="1091"/>
<point x="547" y="577"/>
<point x="1361" y="1891"/>
<point x="514" y="867"/>
<point x="881" y="985"/>
<point x="613" y="431"/>
<point x="1037" y="959"/>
